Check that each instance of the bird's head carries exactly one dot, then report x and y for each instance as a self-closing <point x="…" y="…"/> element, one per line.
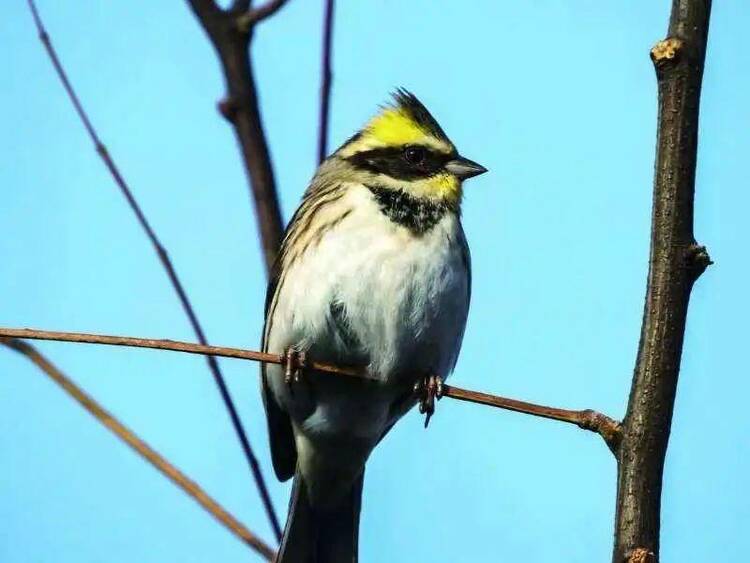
<point x="403" y="148"/>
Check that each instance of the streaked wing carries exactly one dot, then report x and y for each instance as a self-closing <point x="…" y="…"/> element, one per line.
<point x="281" y="435"/>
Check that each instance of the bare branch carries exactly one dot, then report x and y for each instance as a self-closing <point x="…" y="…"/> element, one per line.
<point x="588" y="419"/>
<point x="240" y="108"/>
<point x="142" y="448"/>
<point x="252" y="16"/>
<point x="325" y="81"/>
<point x="172" y="345"/>
<point x="675" y="263"/>
<point x="606" y="427"/>
<point x="207" y="7"/>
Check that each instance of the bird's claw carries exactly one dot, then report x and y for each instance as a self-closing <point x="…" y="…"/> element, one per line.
<point x="429" y="390"/>
<point x="294" y="362"/>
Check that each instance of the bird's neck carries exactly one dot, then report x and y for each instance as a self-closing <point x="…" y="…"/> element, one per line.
<point x="419" y="215"/>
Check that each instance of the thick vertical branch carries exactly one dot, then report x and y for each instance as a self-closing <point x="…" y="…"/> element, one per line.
<point x="675" y="262"/>
<point x="325" y="81"/>
<point x="230" y="32"/>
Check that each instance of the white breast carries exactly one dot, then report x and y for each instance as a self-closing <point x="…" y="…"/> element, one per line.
<point x="404" y="298"/>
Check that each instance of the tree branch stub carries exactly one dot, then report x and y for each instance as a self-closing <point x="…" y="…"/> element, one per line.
<point x="666" y="51"/>
<point x="641" y="555"/>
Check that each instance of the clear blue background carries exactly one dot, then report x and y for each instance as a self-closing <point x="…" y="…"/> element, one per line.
<point x="556" y="98"/>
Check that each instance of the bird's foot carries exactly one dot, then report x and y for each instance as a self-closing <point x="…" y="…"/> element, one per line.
<point x="294" y="362"/>
<point x="429" y="390"/>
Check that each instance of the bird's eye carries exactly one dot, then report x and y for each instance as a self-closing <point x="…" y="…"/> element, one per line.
<point x="415" y="155"/>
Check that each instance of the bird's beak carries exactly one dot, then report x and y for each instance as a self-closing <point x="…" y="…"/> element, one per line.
<point x="463" y="168"/>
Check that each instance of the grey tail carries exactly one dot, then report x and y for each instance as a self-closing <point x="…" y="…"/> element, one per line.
<point x="314" y="535"/>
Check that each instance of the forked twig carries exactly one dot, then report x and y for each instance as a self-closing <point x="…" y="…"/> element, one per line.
<point x="254" y="15"/>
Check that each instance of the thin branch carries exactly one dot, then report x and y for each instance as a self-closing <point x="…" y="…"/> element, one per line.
<point x="240" y="107"/>
<point x="142" y="448"/>
<point x="606" y="427"/>
<point x="248" y="19"/>
<point x="675" y="263"/>
<point x="325" y="81"/>
<point x="172" y="345"/>
<point x="164" y="259"/>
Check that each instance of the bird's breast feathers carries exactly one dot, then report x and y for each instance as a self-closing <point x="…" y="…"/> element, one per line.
<point x="362" y="287"/>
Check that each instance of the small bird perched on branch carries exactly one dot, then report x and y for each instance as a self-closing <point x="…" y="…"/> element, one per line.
<point x="374" y="271"/>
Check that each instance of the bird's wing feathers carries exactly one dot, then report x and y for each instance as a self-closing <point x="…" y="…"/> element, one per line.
<point x="280" y="432"/>
<point x="281" y="435"/>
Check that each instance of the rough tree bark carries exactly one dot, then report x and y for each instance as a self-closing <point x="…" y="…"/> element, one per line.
<point x="676" y="261"/>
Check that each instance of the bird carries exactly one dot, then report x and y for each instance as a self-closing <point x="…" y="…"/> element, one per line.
<point x="373" y="271"/>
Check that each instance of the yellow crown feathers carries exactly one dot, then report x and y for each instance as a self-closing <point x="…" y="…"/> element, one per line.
<point x="405" y="122"/>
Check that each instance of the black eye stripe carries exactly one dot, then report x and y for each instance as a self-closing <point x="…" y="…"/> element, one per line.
<point x="391" y="161"/>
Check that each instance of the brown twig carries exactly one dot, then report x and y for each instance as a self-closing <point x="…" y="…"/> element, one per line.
<point x="255" y="15"/>
<point x="165" y="262"/>
<point x="606" y="427"/>
<point x="325" y="81"/>
<point x="587" y="419"/>
<point x="676" y="261"/>
<point x="142" y="448"/>
<point x="163" y="344"/>
<point x="230" y="33"/>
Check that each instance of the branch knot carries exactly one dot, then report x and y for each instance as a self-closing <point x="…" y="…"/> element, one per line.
<point x="609" y="429"/>
<point x="641" y="555"/>
<point x="697" y="259"/>
<point x="666" y="52"/>
<point x="228" y="109"/>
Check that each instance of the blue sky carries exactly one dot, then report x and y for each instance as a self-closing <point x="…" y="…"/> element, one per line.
<point x="556" y="98"/>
